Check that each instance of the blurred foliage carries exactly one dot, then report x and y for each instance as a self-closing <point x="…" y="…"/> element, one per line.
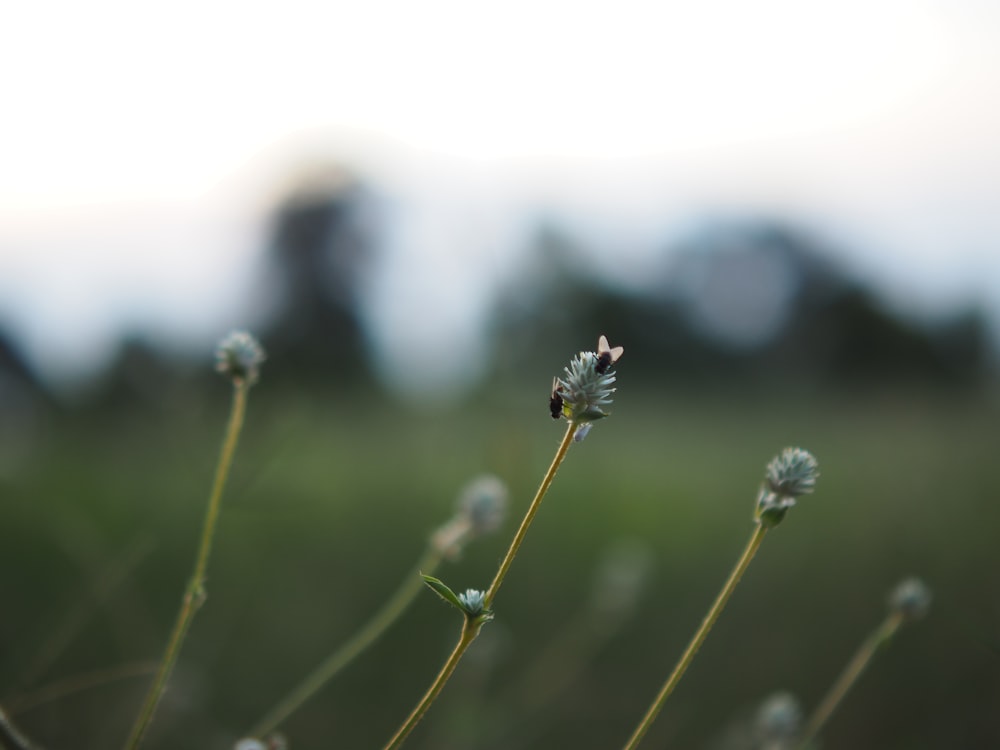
<point x="331" y="503"/>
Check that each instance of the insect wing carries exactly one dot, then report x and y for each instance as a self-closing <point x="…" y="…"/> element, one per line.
<point x="604" y="348"/>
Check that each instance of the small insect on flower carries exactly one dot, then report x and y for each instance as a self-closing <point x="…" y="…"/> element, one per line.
<point x="556" y="400"/>
<point x="606" y="356"/>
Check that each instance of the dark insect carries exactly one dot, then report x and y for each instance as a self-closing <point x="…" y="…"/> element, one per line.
<point x="606" y="356"/>
<point x="556" y="400"/>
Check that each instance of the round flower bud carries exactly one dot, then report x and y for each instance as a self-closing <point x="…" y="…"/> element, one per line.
<point x="586" y="389"/>
<point x="778" y="720"/>
<point x="911" y="599"/>
<point x="239" y="355"/>
<point x="473" y="602"/>
<point x="792" y="473"/>
<point x="484" y="502"/>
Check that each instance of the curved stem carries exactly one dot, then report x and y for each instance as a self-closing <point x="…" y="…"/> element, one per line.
<point x="530" y="515"/>
<point x="699" y="637"/>
<point x="848" y="677"/>
<point x="195" y="592"/>
<point x="11" y="737"/>
<point x="77" y="683"/>
<point x="472" y="627"/>
<point x="367" y="635"/>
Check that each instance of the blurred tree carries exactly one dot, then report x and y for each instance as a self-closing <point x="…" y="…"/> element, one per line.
<point x="749" y="302"/>
<point x="143" y="374"/>
<point x="22" y="402"/>
<point x="320" y="251"/>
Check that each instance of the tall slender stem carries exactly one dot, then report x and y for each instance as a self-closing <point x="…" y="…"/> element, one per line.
<point x="194" y="595"/>
<point x="470" y="629"/>
<point x="849" y="676"/>
<point x="515" y="544"/>
<point x="11" y="737"/>
<point x="473" y="625"/>
<point x="699" y="637"/>
<point x="367" y="635"/>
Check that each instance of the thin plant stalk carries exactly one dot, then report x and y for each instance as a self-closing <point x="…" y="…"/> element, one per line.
<point x="699" y="637"/>
<point x="543" y="488"/>
<point x="470" y="629"/>
<point x="849" y="676"/>
<point x="79" y="682"/>
<point x="350" y="650"/>
<point x="99" y="592"/>
<point x="11" y="737"/>
<point x="194" y="595"/>
<point x="472" y="626"/>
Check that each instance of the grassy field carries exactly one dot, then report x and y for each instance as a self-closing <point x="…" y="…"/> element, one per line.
<point x="330" y="506"/>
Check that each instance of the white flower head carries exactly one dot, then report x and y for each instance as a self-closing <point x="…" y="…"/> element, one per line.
<point x="239" y="355"/>
<point x="473" y="602"/>
<point x="584" y="393"/>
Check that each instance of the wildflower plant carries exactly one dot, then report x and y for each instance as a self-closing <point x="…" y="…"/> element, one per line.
<point x="908" y="601"/>
<point x="11" y="736"/>
<point x="581" y="397"/>
<point x="480" y="509"/>
<point x="239" y="357"/>
<point x="791" y="474"/>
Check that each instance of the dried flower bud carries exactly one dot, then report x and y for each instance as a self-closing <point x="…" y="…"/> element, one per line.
<point x="239" y="355"/>
<point x="911" y="599"/>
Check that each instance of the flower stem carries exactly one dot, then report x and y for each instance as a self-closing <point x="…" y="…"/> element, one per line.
<point x="472" y="626"/>
<point x="530" y="515"/>
<point x="350" y="650"/>
<point x="11" y="737"/>
<point x="699" y="637"/>
<point x="194" y="595"/>
<point x="849" y="676"/>
<point x="470" y="629"/>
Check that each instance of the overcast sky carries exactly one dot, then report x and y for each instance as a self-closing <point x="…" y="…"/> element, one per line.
<point x="141" y="144"/>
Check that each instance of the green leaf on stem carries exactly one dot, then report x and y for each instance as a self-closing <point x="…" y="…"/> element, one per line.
<point x="440" y="588"/>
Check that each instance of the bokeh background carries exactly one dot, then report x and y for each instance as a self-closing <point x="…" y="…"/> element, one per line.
<point x="786" y="213"/>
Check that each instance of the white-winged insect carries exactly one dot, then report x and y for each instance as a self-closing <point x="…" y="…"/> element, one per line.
<point x="606" y="355"/>
<point x="556" y="400"/>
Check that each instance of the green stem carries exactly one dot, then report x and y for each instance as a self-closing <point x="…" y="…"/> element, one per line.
<point x="368" y="634"/>
<point x="472" y="626"/>
<point x="849" y="676"/>
<point x="195" y="592"/>
<point x="470" y="629"/>
<point x="699" y="637"/>
<point x="530" y="515"/>
<point x="76" y="683"/>
<point x="11" y="737"/>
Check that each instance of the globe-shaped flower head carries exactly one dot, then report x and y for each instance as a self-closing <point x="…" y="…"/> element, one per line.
<point x="584" y="393"/>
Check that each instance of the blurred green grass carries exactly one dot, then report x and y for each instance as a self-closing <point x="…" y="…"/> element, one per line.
<point x="330" y="504"/>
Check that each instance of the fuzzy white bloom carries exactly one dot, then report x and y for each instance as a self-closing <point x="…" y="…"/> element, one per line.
<point x="239" y="355"/>
<point x="473" y="601"/>
<point x="583" y="394"/>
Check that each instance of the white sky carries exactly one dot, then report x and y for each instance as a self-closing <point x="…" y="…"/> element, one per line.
<point x="140" y="142"/>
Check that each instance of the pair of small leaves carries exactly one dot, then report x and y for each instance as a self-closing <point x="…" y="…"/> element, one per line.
<point x="472" y="603"/>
